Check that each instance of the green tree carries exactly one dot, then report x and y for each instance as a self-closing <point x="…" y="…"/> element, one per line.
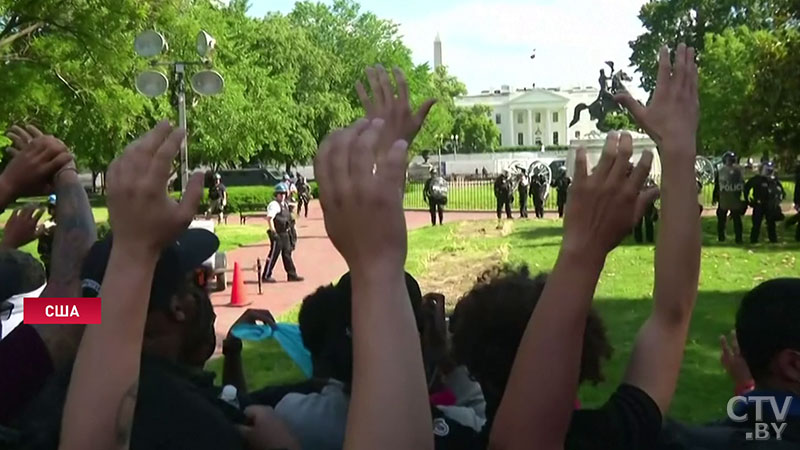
<point x="674" y="21"/>
<point x="478" y="132"/>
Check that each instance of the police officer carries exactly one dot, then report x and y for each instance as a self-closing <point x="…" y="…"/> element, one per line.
<point x="522" y="190"/>
<point x="434" y="193"/>
<point x="561" y="185"/>
<point x="303" y="195"/>
<point x="503" y="194"/>
<point x="538" y="191"/>
<point x="218" y="199"/>
<point x="766" y="202"/>
<point x="280" y="224"/>
<point x="728" y="190"/>
<point x="648" y="219"/>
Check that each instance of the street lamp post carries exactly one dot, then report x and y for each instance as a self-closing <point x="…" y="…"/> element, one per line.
<point x="151" y="83"/>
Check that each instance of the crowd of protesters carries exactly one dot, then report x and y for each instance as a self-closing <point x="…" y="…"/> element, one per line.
<point x="389" y="369"/>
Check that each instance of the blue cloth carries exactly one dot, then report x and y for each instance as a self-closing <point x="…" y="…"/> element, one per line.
<point x="287" y="335"/>
<point x="780" y="399"/>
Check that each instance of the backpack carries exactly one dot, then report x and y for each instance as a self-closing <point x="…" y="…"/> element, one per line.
<point x="439" y="189"/>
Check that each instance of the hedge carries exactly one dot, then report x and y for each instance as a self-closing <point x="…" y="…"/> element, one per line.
<point x="249" y="198"/>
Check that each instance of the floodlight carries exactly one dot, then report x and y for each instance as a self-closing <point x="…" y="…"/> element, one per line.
<point x="207" y="82"/>
<point x="149" y="43"/>
<point x="205" y="44"/>
<point x="151" y="84"/>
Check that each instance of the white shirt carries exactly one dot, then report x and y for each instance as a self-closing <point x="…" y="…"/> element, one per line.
<point x="16" y="313"/>
<point x="273" y="209"/>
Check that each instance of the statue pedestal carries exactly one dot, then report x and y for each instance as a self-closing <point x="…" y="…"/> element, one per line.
<point x="594" y="143"/>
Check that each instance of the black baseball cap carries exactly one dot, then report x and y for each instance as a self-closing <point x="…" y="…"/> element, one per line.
<point x="188" y="253"/>
<point x="19" y="273"/>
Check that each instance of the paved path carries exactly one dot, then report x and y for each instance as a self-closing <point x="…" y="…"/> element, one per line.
<point x="316" y="259"/>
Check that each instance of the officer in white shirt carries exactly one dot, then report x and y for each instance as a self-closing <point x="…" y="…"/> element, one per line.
<point x="280" y="222"/>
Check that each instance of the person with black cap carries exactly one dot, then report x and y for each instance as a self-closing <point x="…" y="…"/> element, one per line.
<point x="435" y="194"/>
<point x="217" y="199"/>
<point x="768" y="194"/>
<point x="728" y="192"/>
<point x="152" y="353"/>
<point x="280" y="240"/>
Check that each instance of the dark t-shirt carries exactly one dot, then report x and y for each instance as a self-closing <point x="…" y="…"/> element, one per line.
<point x="629" y="420"/>
<point x="25" y="366"/>
<point x="177" y="408"/>
<point x="216" y="192"/>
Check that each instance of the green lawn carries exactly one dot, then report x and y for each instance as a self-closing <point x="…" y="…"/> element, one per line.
<point x="448" y="258"/>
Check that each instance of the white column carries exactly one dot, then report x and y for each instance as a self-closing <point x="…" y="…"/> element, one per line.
<point x="509" y="129"/>
<point x="548" y="127"/>
<point x="530" y="127"/>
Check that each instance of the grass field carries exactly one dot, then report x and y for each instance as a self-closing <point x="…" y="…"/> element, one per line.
<point x="448" y="258"/>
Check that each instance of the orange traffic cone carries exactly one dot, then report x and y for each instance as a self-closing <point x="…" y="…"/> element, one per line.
<point x="238" y="294"/>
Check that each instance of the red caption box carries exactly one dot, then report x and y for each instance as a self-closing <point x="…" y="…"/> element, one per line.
<point x="47" y="311"/>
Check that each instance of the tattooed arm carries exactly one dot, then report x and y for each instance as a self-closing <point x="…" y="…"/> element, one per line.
<point x="101" y="399"/>
<point x="74" y="235"/>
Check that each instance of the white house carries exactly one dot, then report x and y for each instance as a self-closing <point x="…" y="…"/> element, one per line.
<point x="533" y="117"/>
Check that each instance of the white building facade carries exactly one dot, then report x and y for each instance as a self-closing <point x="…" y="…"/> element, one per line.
<point x="534" y="117"/>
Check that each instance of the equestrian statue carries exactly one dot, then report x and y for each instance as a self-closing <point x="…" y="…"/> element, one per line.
<point x="599" y="109"/>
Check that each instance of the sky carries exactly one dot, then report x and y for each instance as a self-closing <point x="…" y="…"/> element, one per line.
<point x="487" y="44"/>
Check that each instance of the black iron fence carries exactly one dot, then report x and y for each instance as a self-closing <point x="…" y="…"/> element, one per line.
<point x="478" y="195"/>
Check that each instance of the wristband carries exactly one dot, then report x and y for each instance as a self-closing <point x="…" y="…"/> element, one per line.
<point x="745" y="387"/>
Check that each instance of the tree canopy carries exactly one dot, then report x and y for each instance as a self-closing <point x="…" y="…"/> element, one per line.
<point x="289" y="79"/>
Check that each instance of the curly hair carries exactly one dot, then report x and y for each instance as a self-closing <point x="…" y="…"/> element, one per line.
<point x="489" y="321"/>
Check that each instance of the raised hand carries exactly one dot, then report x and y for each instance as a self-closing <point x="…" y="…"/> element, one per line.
<point x="36" y="159"/>
<point x="395" y="110"/>
<point x="21" y="227"/>
<point x="673" y="113"/>
<point x="361" y="193"/>
<point x="604" y="206"/>
<point x="139" y="208"/>
<point x="733" y="362"/>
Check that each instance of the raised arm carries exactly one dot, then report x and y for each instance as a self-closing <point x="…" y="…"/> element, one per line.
<point x="44" y="154"/>
<point x="539" y="398"/>
<point x="382" y="316"/>
<point x="671" y="120"/>
<point x="102" y="393"/>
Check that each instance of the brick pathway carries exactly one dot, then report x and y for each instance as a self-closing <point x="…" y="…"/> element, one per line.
<point x="316" y="259"/>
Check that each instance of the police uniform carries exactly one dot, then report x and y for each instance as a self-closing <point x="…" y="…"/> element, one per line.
<point x="647" y="220"/>
<point x="522" y="190"/>
<point x="303" y="196"/>
<point x="280" y="241"/>
<point x="502" y="192"/>
<point x="728" y="189"/>
<point x="436" y="200"/>
<point x="561" y="184"/>
<point x="217" y="196"/>
<point x="538" y="190"/>
<point x="766" y="202"/>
